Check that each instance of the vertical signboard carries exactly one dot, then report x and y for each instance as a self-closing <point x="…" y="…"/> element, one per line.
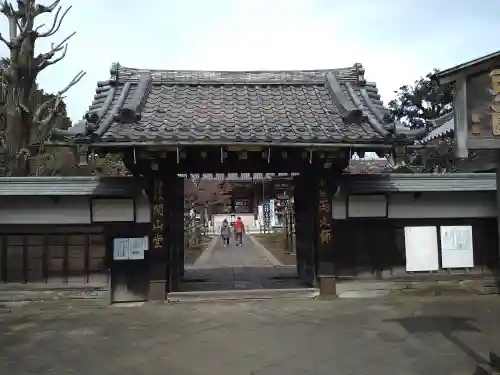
<point x="260" y="212"/>
<point x="157" y="231"/>
<point x="483" y="110"/>
<point x="324" y="216"/>
<point x="267" y="216"/>
<point x="272" y="213"/>
<point x="324" y="228"/>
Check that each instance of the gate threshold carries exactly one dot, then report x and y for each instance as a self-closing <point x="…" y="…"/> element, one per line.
<point x="242" y="295"/>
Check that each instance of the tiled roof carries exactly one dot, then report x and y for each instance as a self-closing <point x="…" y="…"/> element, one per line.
<point x="441" y="126"/>
<point x="185" y="107"/>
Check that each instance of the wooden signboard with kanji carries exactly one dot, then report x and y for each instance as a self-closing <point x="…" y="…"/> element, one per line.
<point x="157" y="231"/>
<point x="324" y="218"/>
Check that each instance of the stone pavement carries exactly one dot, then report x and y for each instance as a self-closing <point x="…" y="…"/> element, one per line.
<point x="249" y="254"/>
<point x="405" y="336"/>
<point x="249" y="266"/>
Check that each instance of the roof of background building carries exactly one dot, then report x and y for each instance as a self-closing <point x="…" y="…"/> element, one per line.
<point x="468" y="65"/>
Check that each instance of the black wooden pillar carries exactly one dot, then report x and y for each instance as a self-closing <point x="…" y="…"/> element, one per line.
<point x="176" y="233"/>
<point x="313" y="194"/>
<point x="304" y="209"/>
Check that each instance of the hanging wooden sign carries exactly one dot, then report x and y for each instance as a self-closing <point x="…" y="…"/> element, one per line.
<point x="157" y="230"/>
<point x="324" y="216"/>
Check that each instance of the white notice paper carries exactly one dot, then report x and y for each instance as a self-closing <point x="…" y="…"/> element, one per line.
<point x="421" y="249"/>
<point x="456" y="247"/>
<point x="137" y="247"/>
<point x="120" y="248"/>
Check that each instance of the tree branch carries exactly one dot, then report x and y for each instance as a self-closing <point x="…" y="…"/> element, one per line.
<point x="44" y="124"/>
<point x="43" y="60"/>
<point x="7" y="11"/>
<point x="5" y="41"/>
<point x="56" y="23"/>
<point x="40" y="9"/>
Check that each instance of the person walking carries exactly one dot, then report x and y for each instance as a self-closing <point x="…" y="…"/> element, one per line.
<point x="225" y="232"/>
<point x="239" y="229"/>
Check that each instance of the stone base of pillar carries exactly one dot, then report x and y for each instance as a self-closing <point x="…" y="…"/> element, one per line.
<point x="157" y="279"/>
<point x="327" y="285"/>
<point x="157" y="290"/>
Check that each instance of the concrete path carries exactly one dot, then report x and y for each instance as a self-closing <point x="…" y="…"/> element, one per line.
<point x="405" y="336"/>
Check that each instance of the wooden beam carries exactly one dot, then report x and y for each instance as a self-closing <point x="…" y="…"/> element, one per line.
<point x="461" y="118"/>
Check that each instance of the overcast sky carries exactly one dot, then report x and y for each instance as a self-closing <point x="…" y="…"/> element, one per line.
<point x="397" y="41"/>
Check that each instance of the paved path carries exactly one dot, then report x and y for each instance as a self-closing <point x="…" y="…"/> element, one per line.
<point x="249" y="254"/>
<point x="249" y="266"/>
<point x="406" y="336"/>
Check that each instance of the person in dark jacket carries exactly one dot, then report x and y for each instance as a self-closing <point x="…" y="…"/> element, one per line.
<point x="225" y="232"/>
<point x="239" y="229"/>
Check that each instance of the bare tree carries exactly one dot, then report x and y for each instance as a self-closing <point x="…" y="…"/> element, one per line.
<point x="26" y="125"/>
<point x="205" y="194"/>
<point x="202" y="196"/>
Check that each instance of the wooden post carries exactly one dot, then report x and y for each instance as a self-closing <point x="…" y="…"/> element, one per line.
<point x="498" y="203"/>
<point x="176" y="234"/>
<point x="460" y="117"/>
<point x="304" y="208"/>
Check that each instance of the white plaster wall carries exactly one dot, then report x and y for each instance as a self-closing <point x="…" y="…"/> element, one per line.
<point x="423" y="205"/>
<point x="112" y="210"/>
<point x="44" y="210"/>
<point x="71" y="210"/>
<point x="142" y="214"/>
<point x="442" y="205"/>
<point x="367" y="206"/>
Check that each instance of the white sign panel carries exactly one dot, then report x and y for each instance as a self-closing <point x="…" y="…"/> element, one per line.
<point x="421" y="249"/>
<point x="272" y="213"/>
<point x="137" y="253"/>
<point x="260" y="211"/>
<point x="130" y="248"/>
<point x="456" y="247"/>
<point x="120" y="248"/>
<point x="139" y="243"/>
<point x="137" y="246"/>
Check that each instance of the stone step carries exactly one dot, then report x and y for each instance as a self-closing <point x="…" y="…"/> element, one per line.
<point x="239" y="284"/>
<point x="242" y="295"/>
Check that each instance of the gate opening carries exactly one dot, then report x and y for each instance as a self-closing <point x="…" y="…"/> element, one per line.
<point x="264" y="257"/>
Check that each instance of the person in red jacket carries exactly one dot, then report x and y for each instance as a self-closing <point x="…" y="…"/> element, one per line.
<point x="239" y="229"/>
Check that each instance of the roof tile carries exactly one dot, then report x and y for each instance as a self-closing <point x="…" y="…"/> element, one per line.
<point x="248" y="107"/>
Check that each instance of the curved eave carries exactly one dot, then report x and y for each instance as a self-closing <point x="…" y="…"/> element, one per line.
<point x="376" y="116"/>
<point x="93" y="120"/>
<point x="442" y="126"/>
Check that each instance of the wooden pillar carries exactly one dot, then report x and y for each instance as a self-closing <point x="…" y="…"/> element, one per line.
<point x="175" y="265"/>
<point x="304" y="210"/>
<point x="158" y="254"/>
<point x="498" y="204"/>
